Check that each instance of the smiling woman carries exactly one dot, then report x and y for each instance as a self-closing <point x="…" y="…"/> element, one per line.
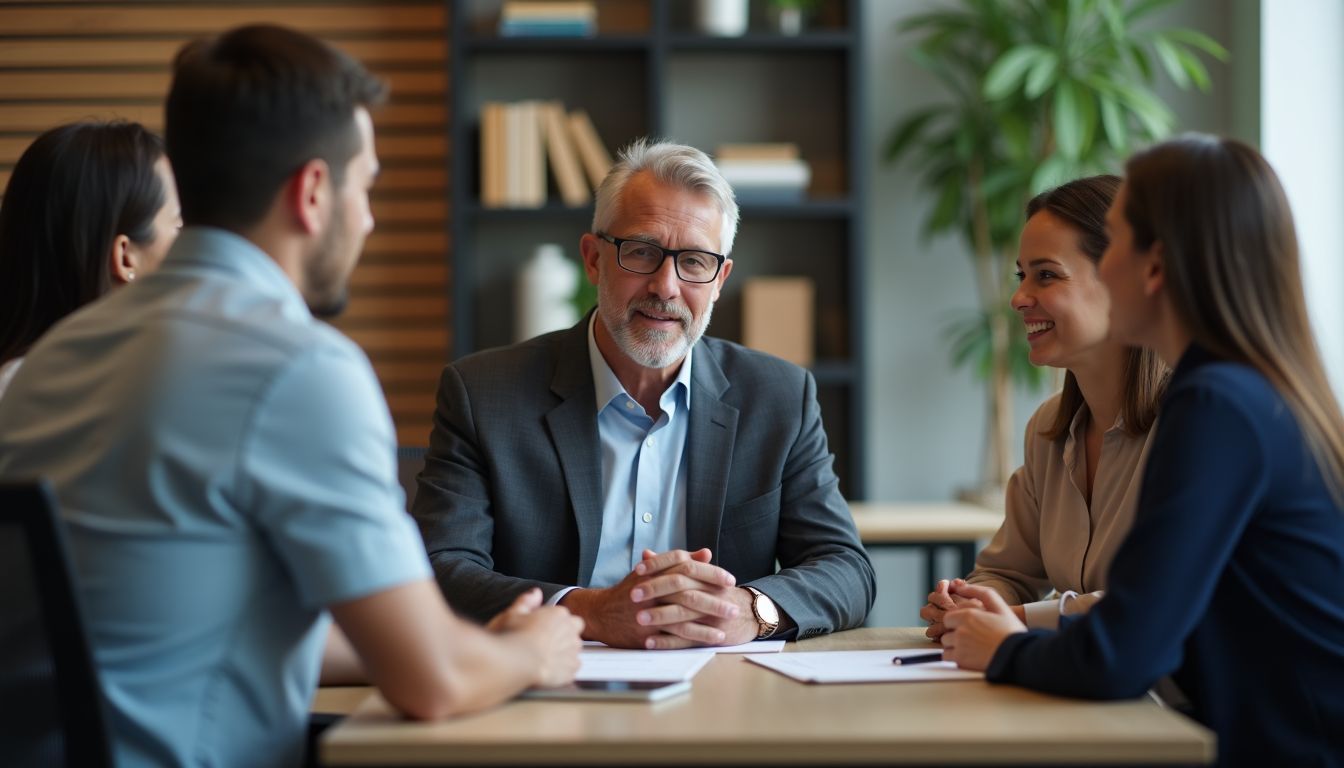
<point x="1072" y="501"/>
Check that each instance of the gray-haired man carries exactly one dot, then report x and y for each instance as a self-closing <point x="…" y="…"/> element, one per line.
<point x="683" y="486"/>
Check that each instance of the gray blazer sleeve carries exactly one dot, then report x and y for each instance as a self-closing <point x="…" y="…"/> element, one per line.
<point x="453" y="509"/>
<point x="826" y="581"/>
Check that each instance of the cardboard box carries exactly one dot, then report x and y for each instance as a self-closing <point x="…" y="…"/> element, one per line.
<point x="777" y="317"/>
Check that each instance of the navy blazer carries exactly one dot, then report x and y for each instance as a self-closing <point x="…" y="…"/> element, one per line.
<point x="1231" y="580"/>
<point x="511" y="494"/>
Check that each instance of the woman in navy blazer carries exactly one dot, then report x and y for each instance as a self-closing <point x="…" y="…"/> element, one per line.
<point x="1232" y="578"/>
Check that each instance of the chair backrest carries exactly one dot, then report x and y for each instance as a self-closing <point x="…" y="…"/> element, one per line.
<point x="51" y="704"/>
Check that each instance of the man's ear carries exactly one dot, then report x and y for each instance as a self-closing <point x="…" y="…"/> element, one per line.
<point x="589" y="247"/>
<point x="1154" y="270"/>
<point x="121" y="260"/>
<point x="308" y="191"/>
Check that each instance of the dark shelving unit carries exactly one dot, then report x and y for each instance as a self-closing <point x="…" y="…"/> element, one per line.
<point x="649" y="72"/>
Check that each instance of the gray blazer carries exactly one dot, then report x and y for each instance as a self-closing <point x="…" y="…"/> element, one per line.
<point x="511" y="494"/>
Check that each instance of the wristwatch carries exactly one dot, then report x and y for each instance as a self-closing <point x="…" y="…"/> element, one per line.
<point x="767" y="615"/>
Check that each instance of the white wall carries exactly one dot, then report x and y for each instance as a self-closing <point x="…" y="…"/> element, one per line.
<point x="1302" y="135"/>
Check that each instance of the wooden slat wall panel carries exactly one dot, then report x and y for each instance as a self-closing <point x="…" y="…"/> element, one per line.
<point x="62" y="61"/>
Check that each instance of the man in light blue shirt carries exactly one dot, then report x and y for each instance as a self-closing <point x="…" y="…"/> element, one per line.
<point x="224" y="461"/>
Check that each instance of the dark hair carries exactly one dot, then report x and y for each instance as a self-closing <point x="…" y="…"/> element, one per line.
<point x="1230" y="258"/>
<point x="74" y="189"/>
<point x="1082" y="205"/>
<point x="248" y="109"/>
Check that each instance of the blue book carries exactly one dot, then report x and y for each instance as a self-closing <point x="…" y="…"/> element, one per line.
<point x="535" y="28"/>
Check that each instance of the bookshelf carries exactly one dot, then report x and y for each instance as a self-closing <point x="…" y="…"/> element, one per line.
<point x="649" y="72"/>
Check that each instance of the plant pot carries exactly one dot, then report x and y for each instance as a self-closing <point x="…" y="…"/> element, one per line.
<point x="721" y="18"/>
<point x="789" y="21"/>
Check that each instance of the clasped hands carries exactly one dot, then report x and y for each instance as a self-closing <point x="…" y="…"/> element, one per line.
<point x="673" y="599"/>
<point x="970" y="621"/>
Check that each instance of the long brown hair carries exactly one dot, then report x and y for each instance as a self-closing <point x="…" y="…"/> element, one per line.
<point x="1231" y="260"/>
<point x="1082" y="205"/>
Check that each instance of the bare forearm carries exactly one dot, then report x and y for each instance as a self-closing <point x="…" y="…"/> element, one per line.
<point x="427" y="662"/>
<point x="340" y="663"/>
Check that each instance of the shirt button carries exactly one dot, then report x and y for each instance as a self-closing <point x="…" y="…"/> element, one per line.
<point x="649" y="442"/>
<point x="629" y="405"/>
<point x="648" y="518"/>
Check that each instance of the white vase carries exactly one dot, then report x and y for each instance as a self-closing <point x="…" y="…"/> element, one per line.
<point x="543" y="291"/>
<point x="722" y="18"/>
<point x="790" y="21"/>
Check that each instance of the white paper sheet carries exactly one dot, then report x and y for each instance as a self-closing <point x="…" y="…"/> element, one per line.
<point x="861" y="667"/>
<point x="633" y="666"/>
<point x="755" y="646"/>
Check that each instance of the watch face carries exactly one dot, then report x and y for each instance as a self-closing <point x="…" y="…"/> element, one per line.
<point x="765" y="608"/>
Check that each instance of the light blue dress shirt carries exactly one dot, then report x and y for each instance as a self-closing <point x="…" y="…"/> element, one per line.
<point x="225" y="468"/>
<point x="643" y="469"/>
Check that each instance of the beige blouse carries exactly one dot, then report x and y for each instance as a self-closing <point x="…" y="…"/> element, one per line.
<point x="1050" y="540"/>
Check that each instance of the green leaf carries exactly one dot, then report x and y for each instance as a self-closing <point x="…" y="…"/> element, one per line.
<point x="1067" y="119"/>
<point x="1087" y="120"/>
<point x="1166" y="53"/>
<point x="971" y="343"/>
<point x="1141" y="61"/>
<point x="1007" y="72"/>
<point x="1143" y="8"/>
<point x="1115" y="21"/>
<point x="909" y="131"/>
<point x="946" y="213"/>
<point x="1002" y="180"/>
<point x="938" y="21"/>
<point x="1194" y="68"/>
<point x="1117" y="132"/>
<point x="1017" y="134"/>
<point x="1198" y="40"/>
<point x="1042" y="74"/>
<point x="1152" y="113"/>
<point x="1054" y="171"/>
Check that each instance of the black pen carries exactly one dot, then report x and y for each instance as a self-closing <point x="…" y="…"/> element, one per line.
<point x="922" y="658"/>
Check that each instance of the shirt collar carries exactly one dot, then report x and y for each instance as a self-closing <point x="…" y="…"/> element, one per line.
<point x="608" y="387"/>
<point x="219" y="250"/>
<point x="1081" y="416"/>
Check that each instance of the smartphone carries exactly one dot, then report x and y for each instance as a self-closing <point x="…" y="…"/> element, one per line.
<point x="612" y="690"/>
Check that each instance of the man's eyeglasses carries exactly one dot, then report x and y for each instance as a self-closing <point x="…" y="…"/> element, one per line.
<point x="646" y="258"/>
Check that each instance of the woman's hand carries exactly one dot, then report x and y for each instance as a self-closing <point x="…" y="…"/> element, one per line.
<point x="971" y="636"/>
<point x="941" y="600"/>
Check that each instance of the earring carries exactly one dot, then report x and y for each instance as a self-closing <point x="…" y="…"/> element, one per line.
<point x="130" y="275"/>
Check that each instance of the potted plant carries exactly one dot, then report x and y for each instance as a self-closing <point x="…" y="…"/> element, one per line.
<point x="1038" y="92"/>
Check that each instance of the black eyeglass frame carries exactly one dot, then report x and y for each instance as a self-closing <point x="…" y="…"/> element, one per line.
<point x="668" y="253"/>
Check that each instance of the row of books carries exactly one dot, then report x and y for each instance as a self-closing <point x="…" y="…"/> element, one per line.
<point x="520" y="139"/>
<point x="764" y="173"/>
<point x="532" y="18"/>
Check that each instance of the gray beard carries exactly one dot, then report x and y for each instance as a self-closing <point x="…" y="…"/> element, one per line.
<point x="647" y="347"/>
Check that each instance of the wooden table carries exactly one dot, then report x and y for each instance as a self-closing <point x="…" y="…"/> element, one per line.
<point x="741" y="714"/>
<point x="928" y="526"/>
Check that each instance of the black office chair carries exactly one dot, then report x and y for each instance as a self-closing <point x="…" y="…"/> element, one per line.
<point x="51" y="703"/>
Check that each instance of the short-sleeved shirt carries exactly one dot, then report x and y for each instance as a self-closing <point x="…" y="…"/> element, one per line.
<point x="225" y="467"/>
